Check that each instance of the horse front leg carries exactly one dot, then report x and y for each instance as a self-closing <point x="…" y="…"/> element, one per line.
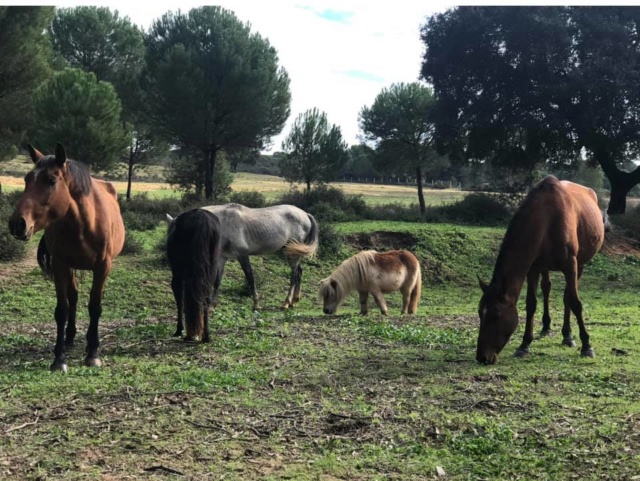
<point x="364" y="302"/>
<point x="72" y="296"/>
<point x="532" y="286"/>
<point x="61" y="277"/>
<point x="100" y="274"/>
<point x="177" y="286"/>
<point x="245" y="263"/>
<point x="546" y="290"/>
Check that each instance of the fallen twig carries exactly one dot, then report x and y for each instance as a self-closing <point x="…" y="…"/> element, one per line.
<point x="160" y="467"/>
<point x="21" y="426"/>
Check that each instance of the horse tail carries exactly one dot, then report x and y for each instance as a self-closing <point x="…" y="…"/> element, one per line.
<point x="193" y="249"/>
<point x="310" y="245"/>
<point x="605" y="219"/>
<point x="414" y="299"/>
<point x="44" y="259"/>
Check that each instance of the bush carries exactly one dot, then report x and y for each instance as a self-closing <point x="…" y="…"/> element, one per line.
<point x="249" y="198"/>
<point x="328" y="204"/>
<point x="474" y="209"/>
<point x="142" y="213"/>
<point x="131" y="246"/>
<point x="330" y="241"/>
<point x="396" y="211"/>
<point x="11" y="249"/>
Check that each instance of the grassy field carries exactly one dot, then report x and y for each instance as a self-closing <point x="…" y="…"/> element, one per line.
<point x="271" y="186"/>
<point x="298" y="395"/>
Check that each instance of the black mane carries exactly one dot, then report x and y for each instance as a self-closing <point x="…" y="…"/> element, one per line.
<point x="79" y="175"/>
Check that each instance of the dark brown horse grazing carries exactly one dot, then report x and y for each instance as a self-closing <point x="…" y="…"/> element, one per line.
<point x="83" y="229"/>
<point x="558" y="227"/>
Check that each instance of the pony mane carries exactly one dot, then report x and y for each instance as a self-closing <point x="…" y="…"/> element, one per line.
<point x="348" y="274"/>
<point x="78" y="174"/>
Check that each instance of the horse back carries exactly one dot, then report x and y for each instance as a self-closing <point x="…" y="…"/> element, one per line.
<point x="395" y="269"/>
<point x="572" y="216"/>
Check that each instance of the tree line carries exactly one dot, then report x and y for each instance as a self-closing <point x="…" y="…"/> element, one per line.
<point x="504" y="94"/>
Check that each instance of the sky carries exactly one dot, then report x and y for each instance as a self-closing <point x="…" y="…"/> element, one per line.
<point x="339" y="54"/>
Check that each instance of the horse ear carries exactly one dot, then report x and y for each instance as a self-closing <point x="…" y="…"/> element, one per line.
<point x="61" y="155"/>
<point x="35" y="154"/>
<point x="483" y="285"/>
<point x="169" y="218"/>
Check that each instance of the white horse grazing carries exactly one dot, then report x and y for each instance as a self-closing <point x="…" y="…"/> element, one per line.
<point x="257" y="232"/>
<point x="376" y="273"/>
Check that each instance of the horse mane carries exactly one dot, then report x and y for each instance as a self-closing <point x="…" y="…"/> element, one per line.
<point x="348" y="274"/>
<point x="78" y="173"/>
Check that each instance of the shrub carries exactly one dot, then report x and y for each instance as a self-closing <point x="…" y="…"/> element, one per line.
<point x="11" y="249"/>
<point x="142" y="213"/>
<point x="249" y="198"/>
<point x="330" y="241"/>
<point x="132" y="245"/>
<point x="328" y="204"/>
<point x="475" y="209"/>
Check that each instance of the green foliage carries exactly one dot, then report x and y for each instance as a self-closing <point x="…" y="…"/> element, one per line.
<point x="186" y="173"/>
<point x="399" y="126"/>
<point x="249" y="198"/>
<point x="132" y="245"/>
<point x="327" y="203"/>
<point x="474" y="209"/>
<point x="315" y="150"/>
<point x="83" y="114"/>
<point x="24" y="51"/>
<point x="11" y="249"/>
<point x="214" y="85"/>
<point x="501" y="96"/>
<point x="95" y="39"/>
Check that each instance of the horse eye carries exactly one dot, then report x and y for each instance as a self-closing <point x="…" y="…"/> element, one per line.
<point x="51" y="181"/>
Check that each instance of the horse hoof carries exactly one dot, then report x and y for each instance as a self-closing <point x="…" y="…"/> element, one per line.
<point x="58" y="367"/>
<point x="177" y="334"/>
<point x="190" y="340"/>
<point x="569" y="342"/>
<point x="521" y="353"/>
<point x="93" y="362"/>
<point x="546" y="332"/>
<point x="588" y="352"/>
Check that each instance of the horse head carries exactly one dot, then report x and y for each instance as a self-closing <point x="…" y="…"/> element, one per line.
<point x="46" y="195"/>
<point x="498" y="321"/>
<point x="330" y="296"/>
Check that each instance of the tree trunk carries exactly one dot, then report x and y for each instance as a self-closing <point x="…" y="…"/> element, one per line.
<point x="423" y="207"/>
<point x="209" y="167"/>
<point x="308" y="186"/>
<point x="130" y="174"/>
<point x="618" y="199"/>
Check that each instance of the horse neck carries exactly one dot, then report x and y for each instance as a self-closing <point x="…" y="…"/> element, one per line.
<point x="519" y="249"/>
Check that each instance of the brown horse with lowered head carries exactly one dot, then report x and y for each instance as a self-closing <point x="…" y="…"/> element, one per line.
<point x="558" y="227"/>
<point x="375" y="273"/>
<point x="83" y="229"/>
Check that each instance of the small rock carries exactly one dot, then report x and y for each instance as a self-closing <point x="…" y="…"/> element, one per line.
<point x="440" y="471"/>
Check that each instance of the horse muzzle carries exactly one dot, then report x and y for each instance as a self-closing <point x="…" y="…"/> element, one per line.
<point x="18" y="228"/>
<point x="484" y="358"/>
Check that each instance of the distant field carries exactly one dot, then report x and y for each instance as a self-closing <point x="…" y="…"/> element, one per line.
<point x="271" y="186"/>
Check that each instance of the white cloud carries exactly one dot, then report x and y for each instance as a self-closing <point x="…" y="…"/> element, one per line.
<point x="339" y="53"/>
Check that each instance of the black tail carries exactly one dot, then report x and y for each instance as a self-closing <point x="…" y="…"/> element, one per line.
<point x="44" y="259"/>
<point x="193" y="250"/>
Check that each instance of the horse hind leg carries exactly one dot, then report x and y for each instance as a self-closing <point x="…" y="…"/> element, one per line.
<point x="72" y="296"/>
<point x="297" y="295"/>
<point x="406" y="300"/>
<point x="177" y="286"/>
<point x="294" y="281"/>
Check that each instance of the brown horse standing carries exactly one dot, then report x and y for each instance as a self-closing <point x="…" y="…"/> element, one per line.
<point x="559" y="227"/>
<point x="83" y="229"/>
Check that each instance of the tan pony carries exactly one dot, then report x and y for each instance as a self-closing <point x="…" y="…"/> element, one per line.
<point x="375" y="273"/>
